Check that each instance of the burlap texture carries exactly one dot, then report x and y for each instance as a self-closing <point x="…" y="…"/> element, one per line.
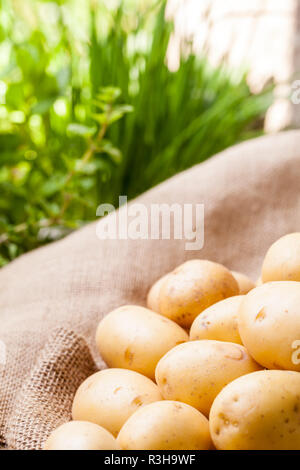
<point x="251" y="194"/>
<point x="45" y="398"/>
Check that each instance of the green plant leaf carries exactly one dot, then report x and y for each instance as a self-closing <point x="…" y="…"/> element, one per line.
<point x="80" y="130"/>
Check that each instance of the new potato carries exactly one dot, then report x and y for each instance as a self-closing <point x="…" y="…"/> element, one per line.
<point x="219" y="321"/>
<point x="166" y="425"/>
<point x="192" y="287"/>
<point x="81" y="435"/>
<point x="282" y="261"/>
<point x="110" y="396"/>
<point x="135" y="338"/>
<point x="269" y="324"/>
<point x="245" y="283"/>
<point x="153" y="294"/>
<point x="195" y="372"/>
<point x="259" y="411"/>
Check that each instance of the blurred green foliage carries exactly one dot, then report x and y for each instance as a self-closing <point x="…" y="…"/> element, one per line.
<point x="67" y="140"/>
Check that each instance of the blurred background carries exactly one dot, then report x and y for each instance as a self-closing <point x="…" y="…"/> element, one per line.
<point x="106" y="98"/>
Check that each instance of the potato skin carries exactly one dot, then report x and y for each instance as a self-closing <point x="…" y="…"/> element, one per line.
<point x="81" y="435"/>
<point x="193" y="287"/>
<point x="219" y="321"/>
<point x="282" y="261"/>
<point x="196" y="372"/>
<point x="166" y="425"/>
<point x="269" y="323"/>
<point x="153" y="294"/>
<point x="110" y="396"/>
<point x="135" y="338"/>
<point x="245" y="283"/>
<point x="259" y="411"/>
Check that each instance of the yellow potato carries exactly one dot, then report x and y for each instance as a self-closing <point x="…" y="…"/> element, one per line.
<point x="196" y="372"/>
<point x="192" y="287"/>
<point x="135" y="338"/>
<point x="153" y="294"/>
<point x="259" y="411"/>
<point x="245" y="283"/>
<point x="269" y="324"/>
<point x="166" y="425"/>
<point x="282" y="261"/>
<point x="81" y="435"/>
<point x="219" y="321"/>
<point x="110" y="396"/>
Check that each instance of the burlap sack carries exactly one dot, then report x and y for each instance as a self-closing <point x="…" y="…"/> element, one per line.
<point x="52" y="299"/>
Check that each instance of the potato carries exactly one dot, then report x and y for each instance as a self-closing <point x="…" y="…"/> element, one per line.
<point x="269" y="324"/>
<point x="245" y="283"/>
<point x="110" y="396"/>
<point x="259" y="282"/>
<point x="195" y="372"/>
<point x="219" y="321"/>
<point x="259" y="411"/>
<point x="153" y="294"/>
<point x="81" y="435"/>
<point x="282" y="261"/>
<point x="136" y="338"/>
<point x="192" y="287"/>
<point x="166" y="425"/>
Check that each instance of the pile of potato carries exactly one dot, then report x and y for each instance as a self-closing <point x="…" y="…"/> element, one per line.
<point x="213" y="362"/>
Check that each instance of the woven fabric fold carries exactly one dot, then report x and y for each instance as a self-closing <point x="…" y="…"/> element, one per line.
<point x="45" y="399"/>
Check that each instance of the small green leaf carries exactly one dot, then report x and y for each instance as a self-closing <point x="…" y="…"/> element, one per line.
<point x="101" y="105"/>
<point x="112" y="151"/>
<point x="101" y="118"/>
<point x="87" y="169"/>
<point x="12" y="250"/>
<point x="53" y="185"/>
<point x="108" y="94"/>
<point x="43" y="106"/>
<point x="81" y="130"/>
<point x="118" y="112"/>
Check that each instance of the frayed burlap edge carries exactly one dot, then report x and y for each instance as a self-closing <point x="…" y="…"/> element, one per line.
<point x="45" y="400"/>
